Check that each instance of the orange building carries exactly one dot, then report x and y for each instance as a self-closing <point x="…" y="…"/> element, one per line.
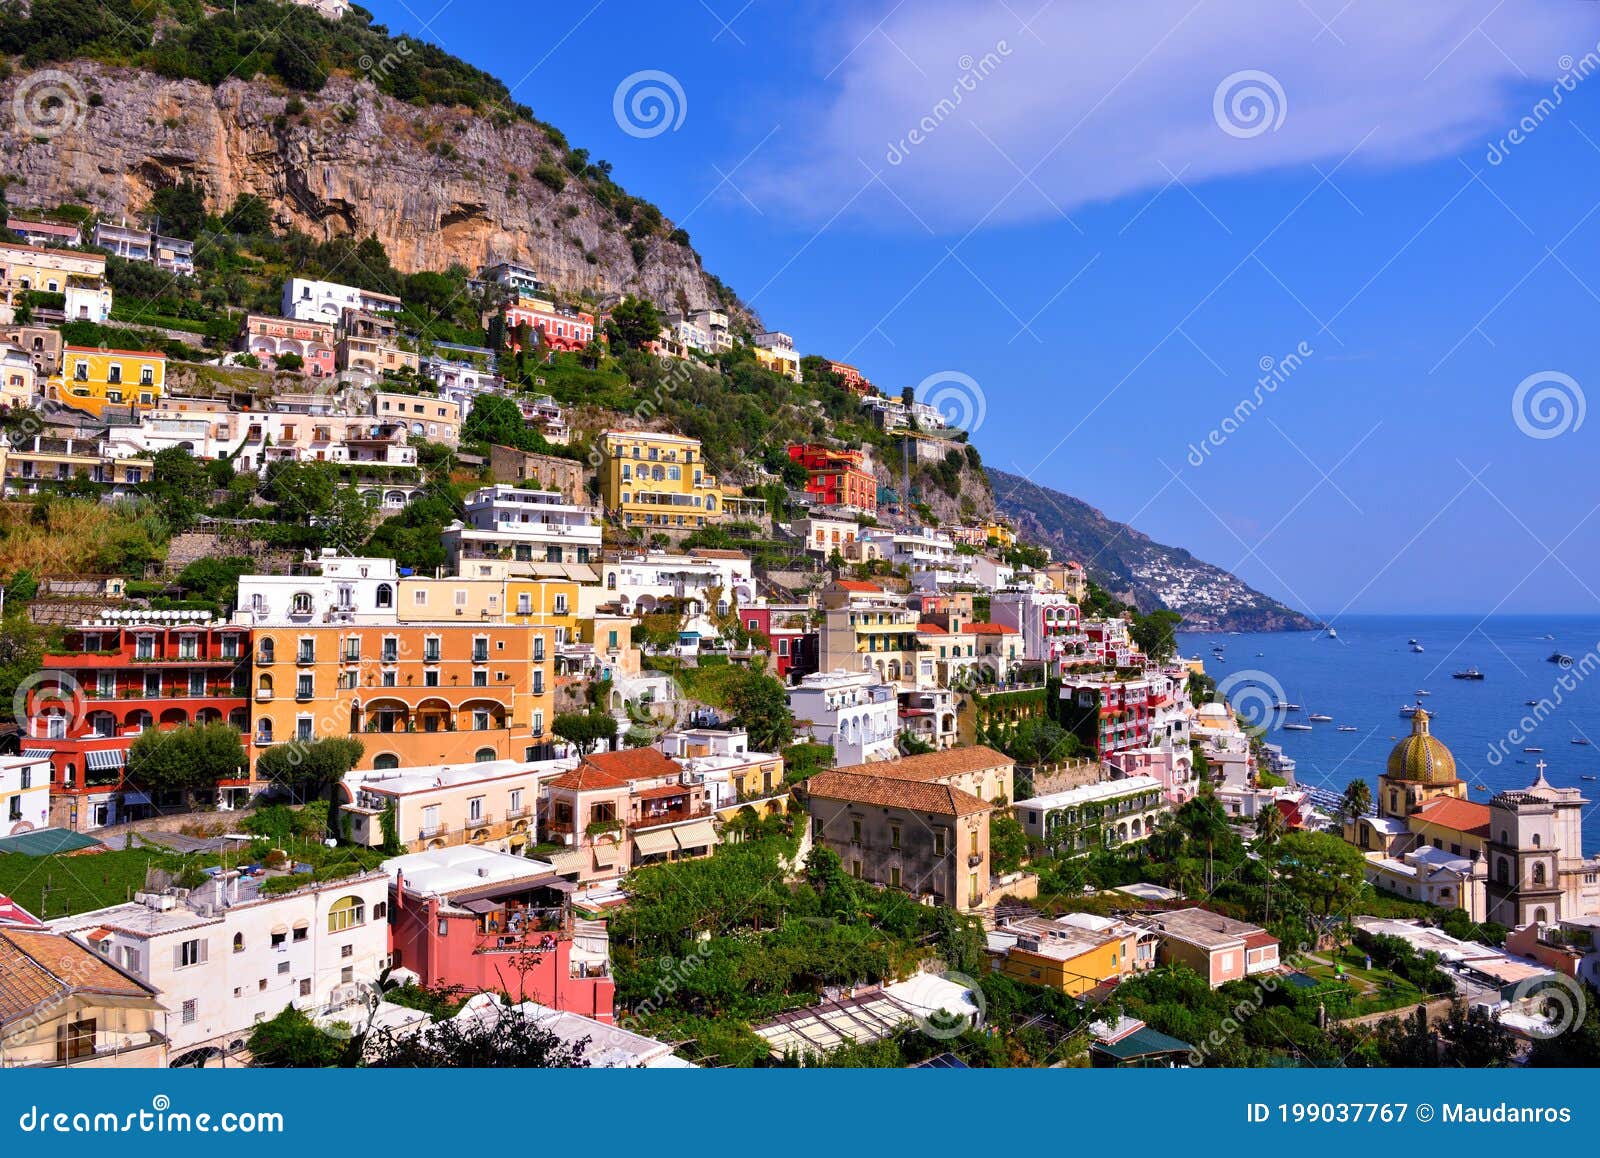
<point x="838" y="478"/>
<point x="414" y="694"/>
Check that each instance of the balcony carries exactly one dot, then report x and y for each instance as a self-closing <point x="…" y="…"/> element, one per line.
<point x="662" y="816"/>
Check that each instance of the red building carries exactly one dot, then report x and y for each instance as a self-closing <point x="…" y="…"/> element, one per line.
<point x="1108" y="714"/>
<point x="854" y="381"/>
<point x="794" y="643"/>
<point x="117" y="677"/>
<point x="838" y="478"/>
<point x="479" y="920"/>
<point x="563" y="328"/>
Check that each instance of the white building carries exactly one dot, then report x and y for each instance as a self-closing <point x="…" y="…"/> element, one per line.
<point x="717" y="327"/>
<point x="525" y="526"/>
<point x="700" y="582"/>
<point x="19" y="378"/>
<point x="1048" y="620"/>
<point x="226" y="956"/>
<point x="344" y="590"/>
<point x="326" y="301"/>
<point x="722" y="758"/>
<point x="854" y="712"/>
<point x="1111" y="813"/>
<point x="173" y="254"/>
<point x="930" y="555"/>
<point x="24" y="794"/>
<point x="823" y="534"/>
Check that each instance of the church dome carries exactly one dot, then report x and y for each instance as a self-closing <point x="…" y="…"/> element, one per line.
<point x="1420" y="757"/>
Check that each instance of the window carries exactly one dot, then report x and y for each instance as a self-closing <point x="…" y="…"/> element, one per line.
<point x="238" y="942"/>
<point x="308" y="650"/>
<point x="385" y="595"/>
<point x="191" y="1011"/>
<point x="76" y="1039"/>
<point x="514" y="805"/>
<point x="855" y="831"/>
<point x="349" y="913"/>
<point x="305" y="987"/>
<point x="894" y="836"/>
<point x="189" y="953"/>
<point x="480" y="721"/>
<point x="430" y="649"/>
<point x="938" y="844"/>
<point x="475" y="805"/>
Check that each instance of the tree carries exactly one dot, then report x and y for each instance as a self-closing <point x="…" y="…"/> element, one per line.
<point x="290" y="362"/>
<point x="498" y="1039"/>
<point x="635" y="322"/>
<point x="291" y="1040"/>
<point x="193" y="756"/>
<point x="760" y="706"/>
<point x="1008" y="843"/>
<point x="180" y="487"/>
<point x="1270" y="828"/>
<point x="1323" y="872"/>
<point x="249" y="216"/>
<point x="180" y="210"/>
<point x="496" y="419"/>
<point x="1203" y="819"/>
<point x="1357" y="800"/>
<point x="308" y="767"/>
<point x="585" y="730"/>
<point x="1475" y="1039"/>
<point x="1156" y="634"/>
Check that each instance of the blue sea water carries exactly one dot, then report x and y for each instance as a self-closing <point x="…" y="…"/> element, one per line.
<point x="1366" y="675"/>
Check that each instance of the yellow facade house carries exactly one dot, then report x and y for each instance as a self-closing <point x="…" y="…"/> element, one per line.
<point x="92" y="380"/>
<point x="650" y="479"/>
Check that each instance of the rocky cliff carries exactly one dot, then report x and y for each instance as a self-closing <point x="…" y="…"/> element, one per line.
<point x="438" y="186"/>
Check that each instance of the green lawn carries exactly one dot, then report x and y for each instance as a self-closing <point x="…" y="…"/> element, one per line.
<point x="1371" y="990"/>
<point x="58" y="886"/>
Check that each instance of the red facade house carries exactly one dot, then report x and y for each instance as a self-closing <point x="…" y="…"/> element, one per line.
<point x="837" y="478"/>
<point x="118" y="677"/>
<point x="484" y="921"/>
<point x="562" y="328"/>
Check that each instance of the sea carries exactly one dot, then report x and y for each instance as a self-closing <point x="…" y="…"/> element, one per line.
<point x="1364" y="676"/>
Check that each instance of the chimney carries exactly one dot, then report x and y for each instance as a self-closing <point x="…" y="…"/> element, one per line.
<point x="399" y="890"/>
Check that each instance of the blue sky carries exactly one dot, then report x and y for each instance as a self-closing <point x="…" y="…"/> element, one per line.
<point x="1129" y="210"/>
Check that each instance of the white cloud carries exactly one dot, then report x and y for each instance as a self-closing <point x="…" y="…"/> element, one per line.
<point x="1101" y="99"/>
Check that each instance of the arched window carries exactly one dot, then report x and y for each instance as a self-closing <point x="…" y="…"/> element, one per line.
<point x="484" y="754"/>
<point x="238" y="942"/>
<point x="263" y="731"/>
<point x="1540" y="916"/>
<point x="264" y="684"/>
<point x="385" y="595"/>
<point x="266" y="650"/>
<point x="1536" y="840"/>
<point x="1502" y="872"/>
<point x="347" y="913"/>
<point x="386" y="761"/>
<point x="301" y="604"/>
<point x="1538" y="872"/>
<point x="611" y="580"/>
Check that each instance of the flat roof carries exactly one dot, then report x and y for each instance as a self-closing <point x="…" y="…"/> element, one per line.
<point x="442" y="871"/>
<point x="404" y="781"/>
<point x="1104" y="790"/>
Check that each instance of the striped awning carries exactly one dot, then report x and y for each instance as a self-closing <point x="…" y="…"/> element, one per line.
<point x="700" y="834"/>
<point x="654" y="842"/>
<point x="37" y="753"/>
<point x="105" y="758"/>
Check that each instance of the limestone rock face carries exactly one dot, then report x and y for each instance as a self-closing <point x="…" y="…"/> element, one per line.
<point x="437" y="186"/>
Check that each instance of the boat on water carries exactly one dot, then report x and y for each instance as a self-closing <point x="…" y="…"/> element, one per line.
<point x="1408" y="710"/>
<point x="1333" y="633"/>
<point x="1480" y="787"/>
<point x="1261" y="655"/>
<point x="1416" y="649"/>
<point x="1421" y="692"/>
<point x="1347" y="728"/>
<point x="1320" y="718"/>
<point x="1530" y="703"/>
<point x="1411" y="641"/>
<point x="1470" y="673"/>
<point x="1533" y="749"/>
<point x="1579" y="740"/>
<point x="1547" y="635"/>
<point x="1586" y="776"/>
<point x="1297" y="728"/>
<point x="1559" y="657"/>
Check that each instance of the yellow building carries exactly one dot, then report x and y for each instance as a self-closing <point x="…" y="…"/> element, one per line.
<point x="469" y="599"/>
<point x="545" y="603"/>
<point x="997" y="532"/>
<point x="1066" y="958"/>
<point x="657" y="480"/>
<point x="1420" y="770"/>
<point x="779" y="361"/>
<point x="414" y="694"/>
<point x="91" y="379"/>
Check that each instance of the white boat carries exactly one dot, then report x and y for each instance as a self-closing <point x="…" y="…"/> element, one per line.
<point x="1297" y="728"/>
<point x="1408" y="710"/>
<point x="1420" y="692"/>
<point x="1416" y="648"/>
<point x="1333" y="633"/>
<point x="1347" y="728"/>
<point x="1320" y="718"/>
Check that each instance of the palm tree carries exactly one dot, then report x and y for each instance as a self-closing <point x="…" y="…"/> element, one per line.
<point x="1203" y="819"/>
<point x="1270" y="827"/>
<point x="1357" y="800"/>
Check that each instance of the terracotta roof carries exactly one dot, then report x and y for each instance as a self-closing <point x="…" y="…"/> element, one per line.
<point x="933" y="766"/>
<point x="855" y="585"/>
<point x="990" y="629"/>
<point x="927" y="628"/>
<point x="716" y="553"/>
<point x="40" y="967"/>
<point x="125" y="353"/>
<point x="618" y="769"/>
<point x="915" y="795"/>
<point x="1259" y="940"/>
<point x="1465" y="816"/>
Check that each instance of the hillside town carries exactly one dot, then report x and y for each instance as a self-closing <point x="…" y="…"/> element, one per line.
<point x="484" y="667"/>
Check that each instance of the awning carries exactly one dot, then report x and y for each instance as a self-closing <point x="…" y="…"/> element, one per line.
<point x="605" y="853"/>
<point x="700" y="834"/>
<point x="279" y="930"/>
<point x="134" y="797"/>
<point x="36" y="753"/>
<point x="655" y="842"/>
<point x="105" y="758"/>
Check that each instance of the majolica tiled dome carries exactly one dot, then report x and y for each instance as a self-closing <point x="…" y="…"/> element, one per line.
<point x="1421" y="758"/>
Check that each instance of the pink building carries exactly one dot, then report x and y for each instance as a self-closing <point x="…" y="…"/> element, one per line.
<point x="563" y="328"/>
<point x="478" y="920"/>
<point x="270" y="338"/>
<point x="1218" y="948"/>
<point x="1172" y="767"/>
